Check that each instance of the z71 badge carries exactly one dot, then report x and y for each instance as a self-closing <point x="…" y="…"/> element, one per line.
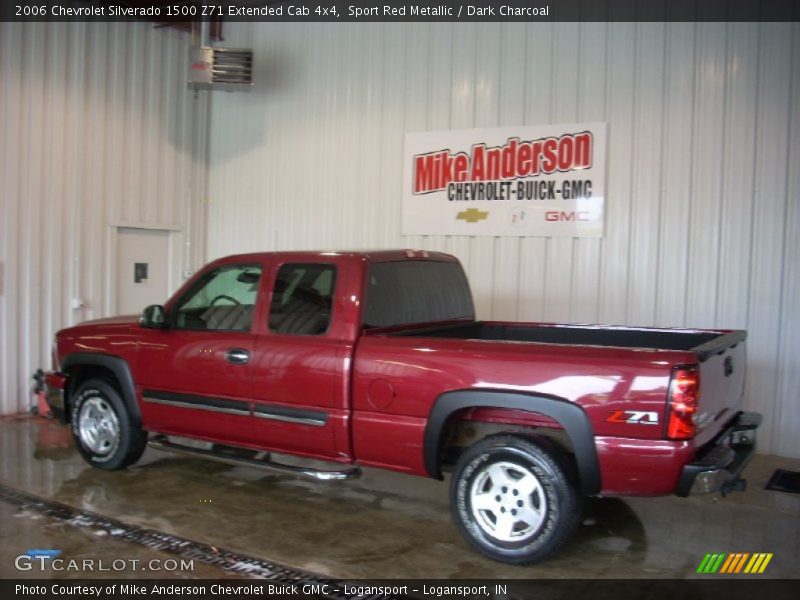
<point x="636" y="417"/>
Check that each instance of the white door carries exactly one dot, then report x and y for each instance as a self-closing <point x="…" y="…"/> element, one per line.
<point x="142" y="260"/>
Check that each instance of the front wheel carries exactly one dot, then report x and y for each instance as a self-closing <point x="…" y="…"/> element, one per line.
<point x="513" y="500"/>
<point x="102" y="427"/>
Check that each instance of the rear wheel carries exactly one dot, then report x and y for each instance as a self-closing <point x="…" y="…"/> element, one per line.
<point x="514" y="500"/>
<point x="102" y="427"/>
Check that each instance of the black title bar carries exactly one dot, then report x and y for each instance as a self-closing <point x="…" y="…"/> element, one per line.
<point x="350" y="11"/>
<point x="433" y="589"/>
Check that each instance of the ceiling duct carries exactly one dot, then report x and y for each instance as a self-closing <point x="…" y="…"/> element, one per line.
<point x="228" y="69"/>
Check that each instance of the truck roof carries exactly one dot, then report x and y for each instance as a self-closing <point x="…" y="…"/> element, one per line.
<point x="369" y="255"/>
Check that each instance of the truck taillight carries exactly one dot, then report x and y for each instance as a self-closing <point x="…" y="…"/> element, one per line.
<point x="684" y="396"/>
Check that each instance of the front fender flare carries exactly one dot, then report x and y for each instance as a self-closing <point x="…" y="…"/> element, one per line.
<point x="569" y="415"/>
<point x="119" y="367"/>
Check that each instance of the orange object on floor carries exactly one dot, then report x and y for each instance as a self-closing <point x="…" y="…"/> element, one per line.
<point x="41" y="403"/>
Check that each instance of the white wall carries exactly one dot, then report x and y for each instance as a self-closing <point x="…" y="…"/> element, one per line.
<point x="703" y="221"/>
<point x="97" y="129"/>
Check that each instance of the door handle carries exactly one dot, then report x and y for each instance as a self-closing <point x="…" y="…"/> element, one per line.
<point x="237" y="356"/>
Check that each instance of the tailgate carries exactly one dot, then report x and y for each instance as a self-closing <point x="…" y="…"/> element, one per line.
<point x="722" y="378"/>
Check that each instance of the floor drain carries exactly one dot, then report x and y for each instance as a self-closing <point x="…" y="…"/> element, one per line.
<point x="228" y="560"/>
<point x="784" y="481"/>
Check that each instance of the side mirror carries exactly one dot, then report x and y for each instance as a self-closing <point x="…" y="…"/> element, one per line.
<point x="152" y="317"/>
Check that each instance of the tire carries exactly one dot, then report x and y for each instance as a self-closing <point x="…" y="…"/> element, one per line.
<point x="513" y="500"/>
<point x="102" y="427"/>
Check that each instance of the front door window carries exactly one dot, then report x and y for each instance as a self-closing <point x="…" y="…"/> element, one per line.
<point x="224" y="300"/>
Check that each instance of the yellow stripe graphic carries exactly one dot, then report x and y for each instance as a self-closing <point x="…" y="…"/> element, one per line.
<point x="765" y="563"/>
<point x="753" y="564"/>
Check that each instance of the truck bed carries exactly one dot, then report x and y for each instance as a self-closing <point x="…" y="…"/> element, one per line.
<point x="704" y="342"/>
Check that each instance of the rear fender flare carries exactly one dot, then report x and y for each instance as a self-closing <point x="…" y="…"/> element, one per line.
<point x="569" y="415"/>
<point x="119" y="367"/>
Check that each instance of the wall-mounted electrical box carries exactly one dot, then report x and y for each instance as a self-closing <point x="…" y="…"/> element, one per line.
<point x="227" y="69"/>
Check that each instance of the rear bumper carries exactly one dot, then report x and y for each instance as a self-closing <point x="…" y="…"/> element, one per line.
<point x="719" y="466"/>
<point x="55" y="385"/>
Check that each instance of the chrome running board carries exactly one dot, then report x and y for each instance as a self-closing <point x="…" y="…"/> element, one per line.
<point x="160" y="442"/>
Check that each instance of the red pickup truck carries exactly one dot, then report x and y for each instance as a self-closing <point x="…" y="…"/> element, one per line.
<point x="376" y="359"/>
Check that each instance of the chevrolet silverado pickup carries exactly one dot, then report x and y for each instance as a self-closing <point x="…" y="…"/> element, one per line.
<point x="376" y="359"/>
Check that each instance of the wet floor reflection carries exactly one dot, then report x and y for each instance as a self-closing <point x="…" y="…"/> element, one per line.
<point x="383" y="525"/>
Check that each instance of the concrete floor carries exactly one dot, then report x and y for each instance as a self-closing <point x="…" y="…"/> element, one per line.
<point x="384" y="525"/>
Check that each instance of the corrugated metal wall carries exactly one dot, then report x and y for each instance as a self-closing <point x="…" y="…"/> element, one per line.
<point x="97" y="129"/>
<point x="703" y="221"/>
<point x="703" y="224"/>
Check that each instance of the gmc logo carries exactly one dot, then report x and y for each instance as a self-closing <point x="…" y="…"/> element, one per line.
<point x="562" y="215"/>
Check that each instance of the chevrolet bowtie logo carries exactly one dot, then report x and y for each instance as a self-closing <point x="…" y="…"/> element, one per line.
<point x="472" y="215"/>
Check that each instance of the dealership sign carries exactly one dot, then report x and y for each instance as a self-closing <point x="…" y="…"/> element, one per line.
<point x="513" y="181"/>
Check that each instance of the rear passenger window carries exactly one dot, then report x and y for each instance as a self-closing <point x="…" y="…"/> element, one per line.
<point x="416" y="291"/>
<point x="302" y="299"/>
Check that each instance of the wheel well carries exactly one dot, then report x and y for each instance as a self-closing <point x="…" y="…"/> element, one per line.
<point x="80" y="373"/>
<point x="469" y="426"/>
<point x="516" y="410"/>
